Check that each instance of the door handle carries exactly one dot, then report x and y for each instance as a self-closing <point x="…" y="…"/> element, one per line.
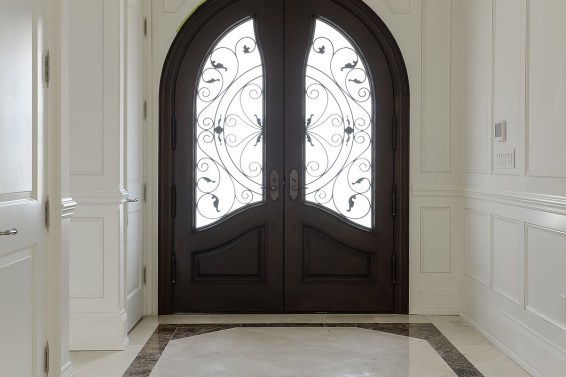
<point x="10" y="232"/>
<point x="274" y="185"/>
<point x="132" y="200"/>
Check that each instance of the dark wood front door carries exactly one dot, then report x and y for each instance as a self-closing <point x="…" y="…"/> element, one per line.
<point x="282" y="184"/>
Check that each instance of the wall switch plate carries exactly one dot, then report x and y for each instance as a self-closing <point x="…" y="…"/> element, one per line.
<point x="510" y="159"/>
<point x="500" y="156"/>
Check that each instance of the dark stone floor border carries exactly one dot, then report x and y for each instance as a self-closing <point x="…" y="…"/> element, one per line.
<point x="151" y="352"/>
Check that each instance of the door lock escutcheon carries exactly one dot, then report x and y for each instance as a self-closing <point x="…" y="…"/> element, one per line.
<point x="294" y="184"/>
<point x="274" y="185"/>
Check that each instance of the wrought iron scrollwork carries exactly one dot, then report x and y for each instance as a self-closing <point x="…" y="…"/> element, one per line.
<point x="229" y="129"/>
<point x="338" y="127"/>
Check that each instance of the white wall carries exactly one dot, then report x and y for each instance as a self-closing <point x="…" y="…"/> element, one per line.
<point x="515" y="218"/>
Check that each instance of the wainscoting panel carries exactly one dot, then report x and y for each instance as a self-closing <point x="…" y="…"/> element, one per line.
<point x="524" y="312"/>
<point x="435" y="239"/>
<point x="86" y="261"/>
<point x="545" y="273"/>
<point x="505" y="258"/>
<point x="477" y="255"/>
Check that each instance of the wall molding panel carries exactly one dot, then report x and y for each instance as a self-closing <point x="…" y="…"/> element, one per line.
<point x="545" y="283"/>
<point x="506" y="263"/>
<point x="477" y="251"/>
<point x="479" y="89"/>
<point x="435" y="236"/>
<point x="436" y="56"/>
<point x="546" y="96"/>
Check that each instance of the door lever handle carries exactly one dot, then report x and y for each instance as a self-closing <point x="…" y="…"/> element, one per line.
<point x="10" y="232"/>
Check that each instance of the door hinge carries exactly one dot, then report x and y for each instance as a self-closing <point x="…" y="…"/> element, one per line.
<point x="174" y="133"/>
<point x="394" y="133"/>
<point x="144" y="109"/>
<point x="47" y="68"/>
<point x="173" y="268"/>
<point x="394" y="201"/>
<point x="144" y="275"/>
<point x="47" y="213"/>
<point x="46" y="358"/>
<point x="394" y="268"/>
<point x="144" y="192"/>
<point x="173" y="201"/>
<point x="145" y="27"/>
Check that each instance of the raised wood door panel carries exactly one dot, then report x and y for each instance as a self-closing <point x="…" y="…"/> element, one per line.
<point x="339" y="247"/>
<point x="329" y="238"/>
<point x="232" y="263"/>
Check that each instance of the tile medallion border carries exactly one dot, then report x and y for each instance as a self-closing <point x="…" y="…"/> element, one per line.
<point x="151" y="352"/>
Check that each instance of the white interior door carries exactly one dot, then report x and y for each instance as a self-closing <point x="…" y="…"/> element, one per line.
<point x="22" y="239"/>
<point x="134" y="161"/>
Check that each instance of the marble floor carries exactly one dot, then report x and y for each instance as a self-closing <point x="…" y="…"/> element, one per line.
<point x="314" y="345"/>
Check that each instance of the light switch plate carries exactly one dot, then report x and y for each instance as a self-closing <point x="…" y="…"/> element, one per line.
<point x="500" y="156"/>
<point x="510" y="159"/>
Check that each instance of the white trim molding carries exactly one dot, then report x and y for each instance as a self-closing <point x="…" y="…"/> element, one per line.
<point x="436" y="191"/>
<point x="538" y="202"/>
<point x="534" y="201"/>
<point x="103" y="197"/>
<point x="67" y="370"/>
<point x="68" y="206"/>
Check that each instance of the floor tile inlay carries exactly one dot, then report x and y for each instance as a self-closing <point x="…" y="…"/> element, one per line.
<point x="299" y="350"/>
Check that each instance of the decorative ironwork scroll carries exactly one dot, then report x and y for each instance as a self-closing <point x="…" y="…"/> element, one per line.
<point x="229" y="130"/>
<point x="338" y="127"/>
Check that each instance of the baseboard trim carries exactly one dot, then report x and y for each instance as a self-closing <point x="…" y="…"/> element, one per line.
<point x="103" y="331"/>
<point x="67" y="370"/>
<point x="525" y="340"/>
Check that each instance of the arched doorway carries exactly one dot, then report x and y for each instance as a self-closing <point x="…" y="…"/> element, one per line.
<point x="284" y="161"/>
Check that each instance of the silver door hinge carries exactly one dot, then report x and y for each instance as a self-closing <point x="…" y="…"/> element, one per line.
<point x="145" y="110"/>
<point x="144" y="275"/>
<point x="47" y="213"/>
<point x="145" y="192"/>
<point x="145" y="26"/>
<point x="47" y="69"/>
<point x="46" y="358"/>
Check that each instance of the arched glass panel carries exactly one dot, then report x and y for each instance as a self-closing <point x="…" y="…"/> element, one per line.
<point x="229" y="171"/>
<point x="339" y="117"/>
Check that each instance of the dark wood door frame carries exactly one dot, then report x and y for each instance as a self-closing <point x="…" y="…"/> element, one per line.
<point x="400" y="124"/>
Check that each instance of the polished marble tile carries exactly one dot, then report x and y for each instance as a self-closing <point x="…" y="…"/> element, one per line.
<point x="314" y="345"/>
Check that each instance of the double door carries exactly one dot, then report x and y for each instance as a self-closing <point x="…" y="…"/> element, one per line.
<point x="277" y="164"/>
